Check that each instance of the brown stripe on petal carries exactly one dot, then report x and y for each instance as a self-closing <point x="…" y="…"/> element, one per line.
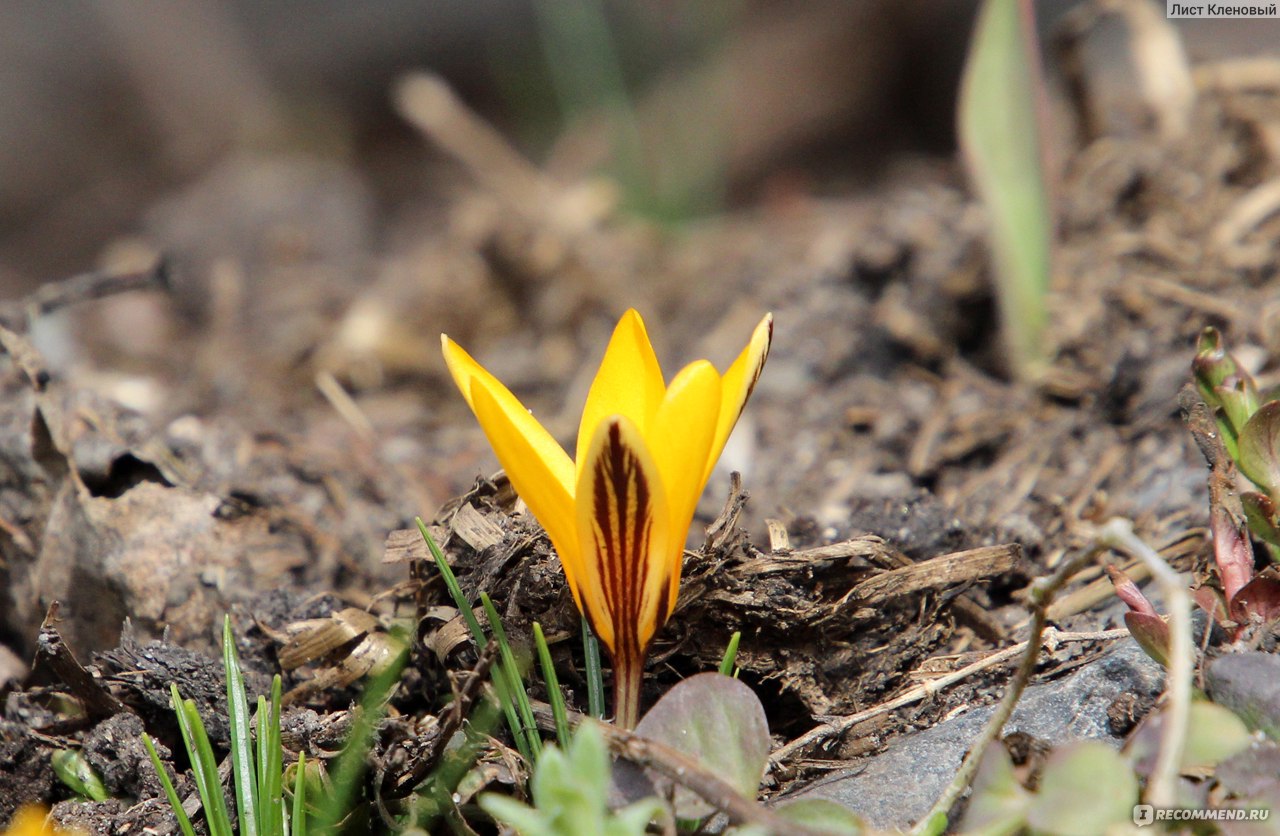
<point x="759" y="369"/>
<point x="664" y="606"/>
<point x="623" y="516"/>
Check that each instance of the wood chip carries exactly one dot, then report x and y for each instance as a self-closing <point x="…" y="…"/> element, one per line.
<point x="779" y="540"/>
<point x="475" y="529"/>
<point x="938" y="573"/>
<point x="406" y="544"/>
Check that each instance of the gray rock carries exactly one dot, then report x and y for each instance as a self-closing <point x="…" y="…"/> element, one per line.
<point x="1248" y="684"/>
<point x="897" y="787"/>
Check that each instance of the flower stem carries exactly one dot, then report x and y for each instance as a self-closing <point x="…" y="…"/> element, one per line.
<point x="627" y="675"/>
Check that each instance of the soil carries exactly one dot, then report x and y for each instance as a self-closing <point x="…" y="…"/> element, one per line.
<point x="253" y="426"/>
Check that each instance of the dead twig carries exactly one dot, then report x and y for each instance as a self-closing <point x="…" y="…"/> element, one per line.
<point x="53" y="652"/>
<point x="428" y="102"/>
<point x="724" y="527"/>
<point x="1042" y="594"/>
<point x="939" y="572"/>
<point x="689" y="773"/>
<point x="1246" y="214"/>
<point x="836" y="726"/>
<point x="1163" y="785"/>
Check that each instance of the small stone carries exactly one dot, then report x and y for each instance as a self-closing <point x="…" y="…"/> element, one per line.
<point x="1249" y="684"/>
<point x="898" y="786"/>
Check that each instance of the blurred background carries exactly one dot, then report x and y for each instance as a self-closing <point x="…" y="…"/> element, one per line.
<point x="106" y="105"/>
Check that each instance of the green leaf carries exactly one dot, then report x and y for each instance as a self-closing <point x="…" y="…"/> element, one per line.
<point x="718" y="722"/>
<point x="554" y="696"/>
<point x="999" y="804"/>
<point x="242" y="769"/>
<point x="1239" y="399"/>
<point x="1002" y="135"/>
<point x="271" y="815"/>
<point x="1214" y="733"/>
<point x="1212" y="365"/>
<point x="175" y="803"/>
<point x="824" y="815"/>
<point x="74" y="771"/>
<point x="496" y="671"/>
<point x="299" y="819"/>
<point x="1085" y="788"/>
<point x="594" y="675"/>
<point x="571" y="795"/>
<point x="1261" y="512"/>
<point x="1260" y="448"/>
<point x="730" y="654"/>
<point x="204" y="766"/>
<point x="528" y="728"/>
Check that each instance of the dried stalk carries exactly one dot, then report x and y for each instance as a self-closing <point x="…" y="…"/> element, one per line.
<point x="1163" y="784"/>
<point x="1042" y="593"/>
<point x="835" y="726"/>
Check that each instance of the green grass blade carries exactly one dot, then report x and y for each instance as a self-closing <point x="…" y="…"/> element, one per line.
<point x="350" y="766"/>
<point x="260" y="721"/>
<point x="451" y="583"/>
<point x="271" y="801"/>
<point x="299" y="823"/>
<point x="515" y="685"/>
<point x="730" y="654"/>
<point x="1002" y="132"/>
<point x="184" y="822"/>
<point x="595" y="677"/>
<point x="204" y="766"/>
<point x="553" y="687"/>
<point x="497" y="673"/>
<point x="243" y="773"/>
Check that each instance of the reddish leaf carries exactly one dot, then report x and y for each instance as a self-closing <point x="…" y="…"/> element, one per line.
<point x="1232" y="550"/>
<point x="1128" y="591"/>
<point x="1152" y="634"/>
<point x="1259" y="600"/>
<point x="1210" y="600"/>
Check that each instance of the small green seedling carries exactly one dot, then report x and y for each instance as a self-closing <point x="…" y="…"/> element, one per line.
<point x="571" y="795"/>
<point x="1248" y="421"/>
<point x="257" y="769"/>
<point x="73" y="770"/>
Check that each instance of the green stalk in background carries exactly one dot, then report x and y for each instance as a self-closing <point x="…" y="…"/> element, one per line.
<point x="1002" y="133"/>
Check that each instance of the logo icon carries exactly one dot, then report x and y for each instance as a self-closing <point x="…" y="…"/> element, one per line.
<point x="1143" y="814"/>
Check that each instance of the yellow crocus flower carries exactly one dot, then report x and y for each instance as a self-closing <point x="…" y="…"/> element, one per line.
<point x="617" y="514"/>
<point x="33" y="820"/>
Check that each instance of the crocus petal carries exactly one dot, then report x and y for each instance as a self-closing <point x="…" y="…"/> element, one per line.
<point x="680" y="439"/>
<point x="622" y="531"/>
<point x="628" y="383"/>
<point x="538" y="467"/>
<point x="739" y="381"/>
<point x="467" y="373"/>
<point x="533" y="476"/>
